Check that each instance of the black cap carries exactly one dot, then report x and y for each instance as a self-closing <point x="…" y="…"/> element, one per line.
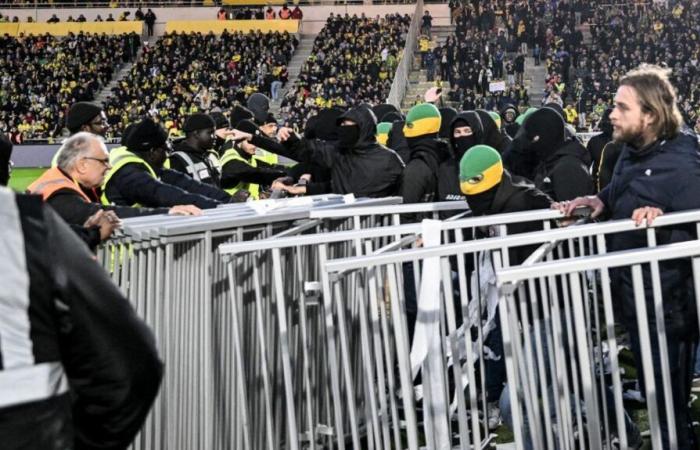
<point x="220" y="120"/>
<point x="80" y="114"/>
<point x="125" y="134"/>
<point x="382" y="110"/>
<point x="146" y="135"/>
<point x="392" y="117"/>
<point x="239" y="113"/>
<point x="198" y="121"/>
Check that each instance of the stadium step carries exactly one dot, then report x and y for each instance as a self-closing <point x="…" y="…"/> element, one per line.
<point x="120" y="74"/>
<point x="301" y="54"/>
<point x="535" y="77"/>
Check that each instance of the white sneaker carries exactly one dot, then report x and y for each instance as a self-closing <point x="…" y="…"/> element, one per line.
<point x="494" y="416"/>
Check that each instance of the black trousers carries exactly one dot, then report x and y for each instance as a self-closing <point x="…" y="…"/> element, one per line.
<point x="41" y="425"/>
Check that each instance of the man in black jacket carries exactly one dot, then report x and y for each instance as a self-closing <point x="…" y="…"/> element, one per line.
<point x="78" y="369"/>
<point x="658" y="172"/>
<point x="420" y="178"/>
<point x="194" y="155"/>
<point x="466" y="131"/>
<point x="490" y="189"/>
<point x="137" y="176"/>
<point x="562" y="170"/>
<point x="358" y="164"/>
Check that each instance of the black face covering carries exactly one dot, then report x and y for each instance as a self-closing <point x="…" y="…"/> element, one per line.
<point x="348" y="136"/>
<point x="464" y="143"/>
<point x="480" y="204"/>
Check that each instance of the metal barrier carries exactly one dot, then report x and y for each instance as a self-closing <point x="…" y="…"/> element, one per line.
<point x="553" y="329"/>
<point x="323" y="372"/>
<point x="403" y="70"/>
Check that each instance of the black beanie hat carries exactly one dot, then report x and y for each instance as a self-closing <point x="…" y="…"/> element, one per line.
<point x="270" y="119"/>
<point x="198" y="121"/>
<point x="80" y="114"/>
<point x="448" y="114"/>
<point x="239" y="113"/>
<point x="125" y="134"/>
<point x="5" y="154"/>
<point x="382" y="110"/>
<point x="392" y="117"/>
<point x="259" y="105"/>
<point x="220" y="120"/>
<point x="146" y="135"/>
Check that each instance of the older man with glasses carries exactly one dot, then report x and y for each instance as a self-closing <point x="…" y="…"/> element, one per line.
<point x="72" y="188"/>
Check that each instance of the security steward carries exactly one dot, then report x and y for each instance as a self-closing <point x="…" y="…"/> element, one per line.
<point x="241" y="170"/>
<point x="137" y="176"/>
<point x="70" y="187"/>
<point x="195" y="155"/>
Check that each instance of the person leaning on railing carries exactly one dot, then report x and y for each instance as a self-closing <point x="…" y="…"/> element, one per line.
<point x="658" y="172"/>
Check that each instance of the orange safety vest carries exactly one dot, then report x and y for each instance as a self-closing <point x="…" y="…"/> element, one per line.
<point x="54" y="180"/>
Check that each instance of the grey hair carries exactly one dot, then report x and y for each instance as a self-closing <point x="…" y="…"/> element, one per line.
<point x="73" y="148"/>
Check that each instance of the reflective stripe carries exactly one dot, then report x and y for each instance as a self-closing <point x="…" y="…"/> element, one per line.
<point x="32" y="383"/>
<point x="192" y="168"/>
<point x="54" y="180"/>
<point x="16" y="347"/>
<point x="253" y="189"/>
<point x="118" y="158"/>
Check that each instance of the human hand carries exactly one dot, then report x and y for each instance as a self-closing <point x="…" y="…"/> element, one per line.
<point x="592" y="201"/>
<point x="238" y="135"/>
<point x="284" y="133"/>
<point x="648" y="213"/>
<point x="106" y="221"/>
<point x="185" y="210"/>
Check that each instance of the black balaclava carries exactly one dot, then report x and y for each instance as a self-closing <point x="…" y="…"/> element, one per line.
<point x="348" y="136"/>
<point x="480" y="204"/>
<point x="549" y="126"/>
<point x="462" y="144"/>
<point x="447" y="114"/>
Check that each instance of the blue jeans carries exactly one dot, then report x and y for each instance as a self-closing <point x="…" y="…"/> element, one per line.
<point x="275" y="89"/>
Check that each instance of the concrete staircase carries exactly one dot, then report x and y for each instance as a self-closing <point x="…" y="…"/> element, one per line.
<point x="301" y="54"/>
<point x="535" y="80"/>
<point x="418" y="78"/>
<point x="121" y="73"/>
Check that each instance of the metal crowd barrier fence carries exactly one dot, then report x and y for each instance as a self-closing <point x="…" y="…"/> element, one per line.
<point x="323" y="372"/>
<point x="171" y="271"/>
<point x="564" y="331"/>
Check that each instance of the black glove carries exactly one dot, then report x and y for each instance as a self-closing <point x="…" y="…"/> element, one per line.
<point x="240" y="196"/>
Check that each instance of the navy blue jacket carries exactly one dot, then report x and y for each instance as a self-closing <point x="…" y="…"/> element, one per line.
<point x="665" y="175"/>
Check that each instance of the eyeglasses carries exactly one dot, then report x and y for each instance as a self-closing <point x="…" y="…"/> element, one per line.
<point x="104" y="161"/>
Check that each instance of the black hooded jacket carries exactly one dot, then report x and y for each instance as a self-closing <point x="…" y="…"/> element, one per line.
<point x="448" y="174"/>
<point x="563" y="175"/>
<point x="397" y="141"/>
<point x="420" y="179"/>
<point x="368" y="169"/>
<point x="492" y="135"/>
<point x="511" y="128"/>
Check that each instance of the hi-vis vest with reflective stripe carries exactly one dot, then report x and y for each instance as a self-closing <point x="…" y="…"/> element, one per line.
<point x="254" y="189"/>
<point x="54" y="180"/>
<point x="265" y="156"/>
<point x="200" y="171"/>
<point x="118" y="158"/>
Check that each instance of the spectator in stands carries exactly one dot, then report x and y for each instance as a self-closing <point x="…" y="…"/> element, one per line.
<point x="270" y="13"/>
<point x="98" y="18"/>
<point x="150" y="20"/>
<point x="285" y="13"/>
<point x="137" y="175"/>
<point x="53" y="19"/>
<point x="658" y="172"/>
<point x="221" y="14"/>
<point x="297" y="14"/>
<point x="426" y="24"/>
<point x="138" y="15"/>
<point x="109" y="18"/>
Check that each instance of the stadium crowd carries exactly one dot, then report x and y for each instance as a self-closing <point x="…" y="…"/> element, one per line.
<point x="353" y="61"/>
<point x="41" y="76"/>
<point x="185" y="73"/>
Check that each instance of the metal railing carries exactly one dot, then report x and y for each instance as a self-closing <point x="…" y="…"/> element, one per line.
<point x="403" y="70"/>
